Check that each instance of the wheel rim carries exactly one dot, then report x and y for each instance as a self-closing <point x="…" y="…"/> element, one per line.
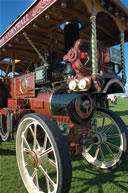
<point x="109" y="143"/>
<point x="36" y="158"/>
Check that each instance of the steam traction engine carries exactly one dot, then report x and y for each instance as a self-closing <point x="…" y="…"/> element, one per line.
<point x="57" y="104"/>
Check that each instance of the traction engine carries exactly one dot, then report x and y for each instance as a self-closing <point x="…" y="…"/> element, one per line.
<point x="61" y="108"/>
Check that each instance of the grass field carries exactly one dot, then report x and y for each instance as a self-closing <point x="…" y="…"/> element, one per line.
<point x="86" y="178"/>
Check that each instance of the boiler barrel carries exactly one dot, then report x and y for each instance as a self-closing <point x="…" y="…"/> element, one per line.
<point x="60" y="100"/>
<point x="78" y="107"/>
<point x="75" y="105"/>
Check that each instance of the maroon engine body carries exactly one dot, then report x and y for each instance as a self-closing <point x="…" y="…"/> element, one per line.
<point x="72" y="101"/>
<point x="66" y="91"/>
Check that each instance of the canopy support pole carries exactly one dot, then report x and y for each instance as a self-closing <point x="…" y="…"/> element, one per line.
<point x="35" y="48"/>
<point x="122" y="54"/>
<point x="7" y="69"/>
<point x="13" y="68"/>
<point x="94" y="42"/>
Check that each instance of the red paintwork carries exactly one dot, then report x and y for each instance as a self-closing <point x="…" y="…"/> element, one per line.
<point x="15" y="103"/>
<point x="41" y="104"/>
<point x="74" y="56"/>
<point x="83" y="55"/>
<point x="22" y="86"/>
<point x="78" y="110"/>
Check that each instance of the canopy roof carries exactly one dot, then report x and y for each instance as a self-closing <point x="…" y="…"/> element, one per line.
<point x="41" y="22"/>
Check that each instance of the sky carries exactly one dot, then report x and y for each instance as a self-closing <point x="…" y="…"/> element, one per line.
<point x="11" y="9"/>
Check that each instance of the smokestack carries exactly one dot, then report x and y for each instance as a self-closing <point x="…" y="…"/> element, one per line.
<point x="71" y="34"/>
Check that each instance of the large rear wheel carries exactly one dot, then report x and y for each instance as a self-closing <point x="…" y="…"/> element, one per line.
<point x="42" y="155"/>
<point x="110" y="136"/>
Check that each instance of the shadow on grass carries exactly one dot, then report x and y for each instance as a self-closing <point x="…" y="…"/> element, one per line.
<point x="122" y="113"/>
<point x="7" y="152"/>
<point x="99" y="177"/>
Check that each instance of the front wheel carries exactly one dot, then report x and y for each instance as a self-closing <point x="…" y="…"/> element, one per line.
<point x="110" y="136"/>
<point x="42" y="155"/>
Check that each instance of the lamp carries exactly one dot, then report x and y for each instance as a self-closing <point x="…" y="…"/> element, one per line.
<point x="116" y="13"/>
<point x="63" y="5"/>
<point x="102" y="3"/>
<point x="34" y="26"/>
<point x="110" y="7"/>
<point x="47" y="16"/>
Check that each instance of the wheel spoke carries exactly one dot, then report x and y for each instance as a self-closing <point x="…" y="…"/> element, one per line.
<point x="35" y="176"/>
<point x="48" y="185"/>
<point x="112" y="145"/>
<point x="109" y="150"/>
<point x="52" y="162"/>
<point x="97" y="151"/>
<point x="49" y="150"/>
<point x="47" y="182"/>
<point x="35" y="134"/>
<point x="34" y="137"/>
<point x="45" y="141"/>
<point x="101" y="153"/>
<point x="88" y="149"/>
<point x="113" y="135"/>
<point x="34" y="173"/>
<point x="27" y="150"/>
<point x="26" y="143"/>
<point x="103" y="123"/>
<point x="107" y="128"/>
<point x="37" y="182"/>
<point x="46" y="176"/>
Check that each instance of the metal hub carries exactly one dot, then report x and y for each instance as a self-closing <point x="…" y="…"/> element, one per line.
<point x="86" y="105"/>
<point x="42" y="159"/>
<point x="100" y="138"/>
<point x="32" y="159"/>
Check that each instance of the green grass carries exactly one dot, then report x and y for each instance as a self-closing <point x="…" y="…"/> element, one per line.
<point x="121" y="109"/>
<point x="86" y="178"/>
